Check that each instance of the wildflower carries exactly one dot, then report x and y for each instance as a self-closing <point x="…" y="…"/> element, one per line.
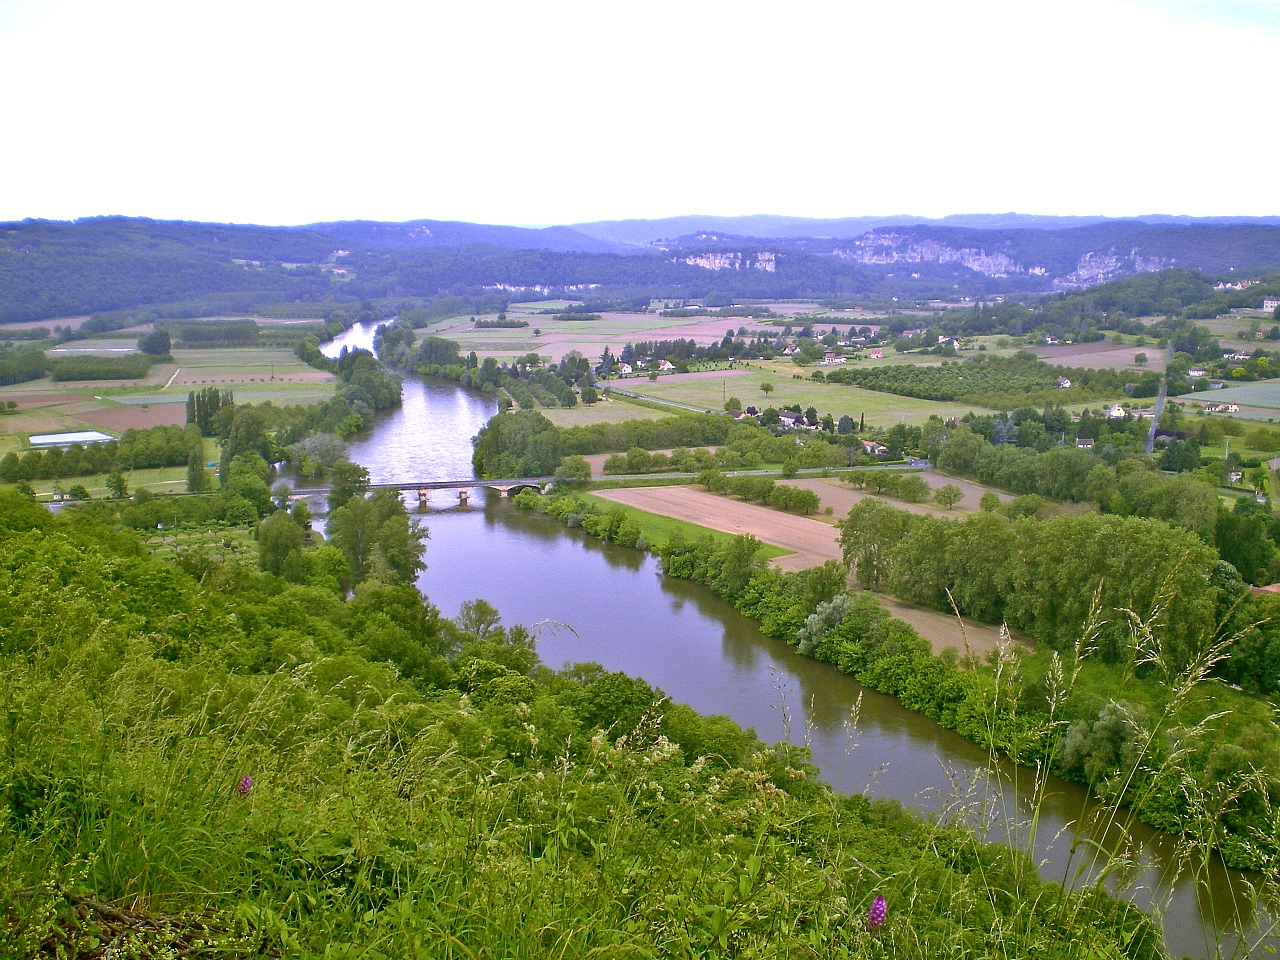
<point x="875" y="916"/>
<point x="244" y="786"/>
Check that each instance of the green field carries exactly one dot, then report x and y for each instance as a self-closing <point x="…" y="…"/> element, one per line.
<point x="658" y="529"/>
<point x="881" y="409"/>
<point x="606" y="411"/>
<point x="1261" y="393"/>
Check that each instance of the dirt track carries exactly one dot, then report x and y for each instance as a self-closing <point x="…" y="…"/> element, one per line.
<point x="812" y="541"/>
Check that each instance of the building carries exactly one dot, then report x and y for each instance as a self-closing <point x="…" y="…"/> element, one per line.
<point x="875" y="353"/>
<point x="1064" y="383"/>
<point x="831" y="360"/>
<point x="1117" y="412"/>
<point x="622" y="369"/>
<point x="1271" y="304"/>
<point x="42" y="440"/>
<point x="1196" y="373"/>
<point x="1084" y="443"/>
<point x="665" y="365"/>
<point x="877" y="450"/>
<point x="1222" y="408"/>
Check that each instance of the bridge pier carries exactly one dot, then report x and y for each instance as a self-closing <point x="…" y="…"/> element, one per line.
<point x="423" y="496"/>
<point x="463" y="494"/>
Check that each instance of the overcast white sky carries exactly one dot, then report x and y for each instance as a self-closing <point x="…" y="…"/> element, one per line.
<point x="548" y="112"/>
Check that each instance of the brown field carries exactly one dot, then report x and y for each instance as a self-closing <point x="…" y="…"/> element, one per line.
<point x="70" y="323"/>
<point x="1099" y="355"/>
<point x="812" y="541"/>
<point x="122" y="417"/>
<point x="841" y="497"/>
<point x="943" y="630"/>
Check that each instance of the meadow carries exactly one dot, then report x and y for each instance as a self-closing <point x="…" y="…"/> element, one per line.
<point x="709" y="393"/>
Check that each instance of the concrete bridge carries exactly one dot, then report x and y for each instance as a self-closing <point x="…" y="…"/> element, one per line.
<point x="463" y="488"/>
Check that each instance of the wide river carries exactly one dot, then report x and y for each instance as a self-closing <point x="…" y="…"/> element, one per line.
<point x="593" y="601"/>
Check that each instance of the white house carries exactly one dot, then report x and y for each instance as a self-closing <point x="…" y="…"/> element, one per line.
<point x="831" y="360"/>
<point x="1116" y="412"/>
<point x="665" y="365"/>
<point x="1271" y="304"/>
<point x="1196" y="372"/>
<point x="622" y="369"/>
<point x="1064" y="383"/>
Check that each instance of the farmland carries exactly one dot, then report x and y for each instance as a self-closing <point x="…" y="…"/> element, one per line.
<point x="709" y="393"/>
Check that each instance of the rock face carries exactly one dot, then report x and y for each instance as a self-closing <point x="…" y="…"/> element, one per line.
<point x="733" y="260"/>
<point x="882" y="248"/>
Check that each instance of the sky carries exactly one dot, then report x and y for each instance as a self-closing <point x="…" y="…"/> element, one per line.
<point x="550" y="112"/>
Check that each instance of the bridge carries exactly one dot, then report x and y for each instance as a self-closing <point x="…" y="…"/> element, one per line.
<point x="463" y="488"/>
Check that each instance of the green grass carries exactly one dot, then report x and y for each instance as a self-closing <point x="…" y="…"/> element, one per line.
<point x="606" y="411"/>
<point x="157" y="480"/>
<point x="658" y="529"/>
<point x="881" y="409"/>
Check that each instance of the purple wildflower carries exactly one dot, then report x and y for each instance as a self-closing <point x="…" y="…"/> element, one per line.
<point x="244" y="786"/>
<point x="875" y="916"/>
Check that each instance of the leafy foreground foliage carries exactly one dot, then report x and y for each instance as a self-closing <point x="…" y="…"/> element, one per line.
<point x="241" y="766"/>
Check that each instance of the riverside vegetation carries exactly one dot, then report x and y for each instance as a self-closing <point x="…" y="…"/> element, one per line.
<point x="202" y="756"/>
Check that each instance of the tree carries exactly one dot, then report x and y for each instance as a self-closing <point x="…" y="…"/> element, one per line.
<point x="280" y="547"/>
<point x="117" y="485"/>
<point x="280" y="495"/>
<point x="948" y="495"/>
<point x="590" y="394"/>
<point x="868" y="536"/>
<point x="1140" y="359"/>
<point x="766" y="387"/>
<point x="78" y="491"/>
<point x="346" y="480"/>
<point x="197" y="475"/>
<point x="733" y="405"/>
<point x="155" y="344"/>
<point x="573" y="470"/>
<point x="845" y="426"/>
<point x="376" y="536"/>
<point x="912" y="488"/>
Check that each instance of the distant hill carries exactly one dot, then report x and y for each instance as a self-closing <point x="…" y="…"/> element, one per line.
<point x="768" y="226"/>
<point x="450" y="233"/>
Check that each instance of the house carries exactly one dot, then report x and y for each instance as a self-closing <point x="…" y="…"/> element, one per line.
<point x="1239" y="355"/>
<point x="1196" y="373"/>
<point x="1064" y="383"/>
<point x="789" y="351"/>
<point x="1271" y="304"/>
<point x="831" y="360"/>
<point x="622" y="369"/>
<point x="1235" y="476"/>
<point x="1050" y="341"/>
<point x="875" y="353"/>
<point x="877" y="450"/>
<point x="792" y="419"/>
<point x="1084" y="443"/>
<point x="1116" y="412"/>
<point x="751" y="412"/>
<point x="1222" y="408"/>
<point x="665" y="365"/>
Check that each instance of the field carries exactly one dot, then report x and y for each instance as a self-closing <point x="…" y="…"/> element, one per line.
<point x="255" y="374"/>
<point x="810" y="541"/>
<point x="1117" y="356"/>
<point x="590" y="337"/>
<point x="709" y="393"/>
<point x="658" y="528"/>
<point x="841" y="497"/>
<point x="1258" y="401"/>
<point x="606" y="411"/>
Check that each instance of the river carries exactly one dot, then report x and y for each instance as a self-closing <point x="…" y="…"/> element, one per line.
<point x="593" y="601"/>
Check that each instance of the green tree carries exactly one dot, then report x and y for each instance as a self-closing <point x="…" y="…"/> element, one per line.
<point x="868" y="536"/>
<point x="1140" y="359"/>
<point x="990" y="502"/>
<point x="590" y="394"/>
<point x="197" y="475"/>
<point x="845" y="426"/>
<point x="733" y="405"/>
<point x="766" y="387"/>
<point x="280" y="547"/>
<point x="572" y="471"/>
<point x="376" y="536"/>
<point x="346" y="480"/>
<point x="118" y="485"/>
<point x="948" y="495"/>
